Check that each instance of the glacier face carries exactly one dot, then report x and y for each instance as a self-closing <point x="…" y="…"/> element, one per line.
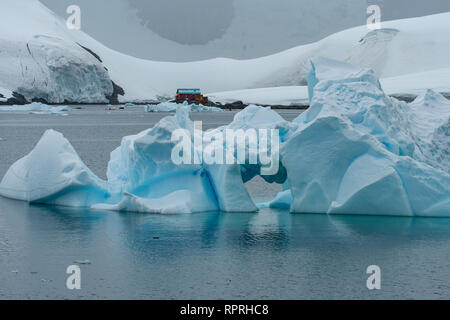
<point x="354" y="151"/>
<point x="54" y="70"/>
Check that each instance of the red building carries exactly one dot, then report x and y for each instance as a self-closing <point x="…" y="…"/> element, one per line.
<point x="192" y="96"/>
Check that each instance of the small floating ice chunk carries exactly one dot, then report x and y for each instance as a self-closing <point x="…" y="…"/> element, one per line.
<point x="173" y="107"/>
<point x="38" y="108"/>
<point x="82" y="262"/>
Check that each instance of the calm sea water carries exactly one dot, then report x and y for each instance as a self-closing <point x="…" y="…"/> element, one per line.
<point x="268" y="255"/>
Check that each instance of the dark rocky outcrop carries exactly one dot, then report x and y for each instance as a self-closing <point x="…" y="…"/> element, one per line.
<point x="17" y="98"/>
<point x="117" y="90"/>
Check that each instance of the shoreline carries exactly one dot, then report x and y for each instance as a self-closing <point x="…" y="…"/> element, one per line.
<point x="236" y="105"/>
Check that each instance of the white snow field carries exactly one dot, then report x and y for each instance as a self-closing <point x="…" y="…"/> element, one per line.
<point x="354" y="151"/>
<point x="42" y="58"/>
<point x="274" y="96"/>
<point x="234" y="29"/>
<point x="5" y="95"/>
<point x="408" y="86"/>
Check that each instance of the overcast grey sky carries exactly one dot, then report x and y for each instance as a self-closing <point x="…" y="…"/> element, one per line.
<point x="180" y="30"/>
<point x="397" y="9"/>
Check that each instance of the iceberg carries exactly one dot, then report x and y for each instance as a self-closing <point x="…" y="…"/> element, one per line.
<point x="354" y="151"/>
<point x="173" y="107"/>
<point x="357" y="151"/>
<point x="430" y="125"/>
<point x="142" y="170"/>
<point x="52" y="173"/>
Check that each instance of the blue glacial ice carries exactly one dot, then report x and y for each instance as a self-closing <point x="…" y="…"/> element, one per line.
<point x="358" y="151"/>
<point x="283" y="200"/>
<point x="52" y="173"/>
<point x="141" y="169"/>
<point x="354" y="151"/>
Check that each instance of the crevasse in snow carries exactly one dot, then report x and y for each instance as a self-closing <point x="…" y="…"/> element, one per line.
<point x="354" y="151"/>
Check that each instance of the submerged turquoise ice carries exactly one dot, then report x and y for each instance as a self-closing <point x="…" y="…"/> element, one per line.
<point x="355" y="151"/>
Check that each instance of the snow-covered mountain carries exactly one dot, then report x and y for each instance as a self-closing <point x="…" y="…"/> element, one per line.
<point x="44" y="59"/>
<point x="181" y="30"/>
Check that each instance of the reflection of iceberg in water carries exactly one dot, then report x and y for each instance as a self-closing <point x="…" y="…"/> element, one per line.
<point x="354" y="151"/>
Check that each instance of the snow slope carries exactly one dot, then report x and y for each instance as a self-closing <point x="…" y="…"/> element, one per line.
<point x="406" y="86"/>
<point x="275" y="96"/>
<point x="5" y="95"/>
<point x="402" y="47"/>
<point x="165" y="31"/>
<point x="419" y="45"/>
